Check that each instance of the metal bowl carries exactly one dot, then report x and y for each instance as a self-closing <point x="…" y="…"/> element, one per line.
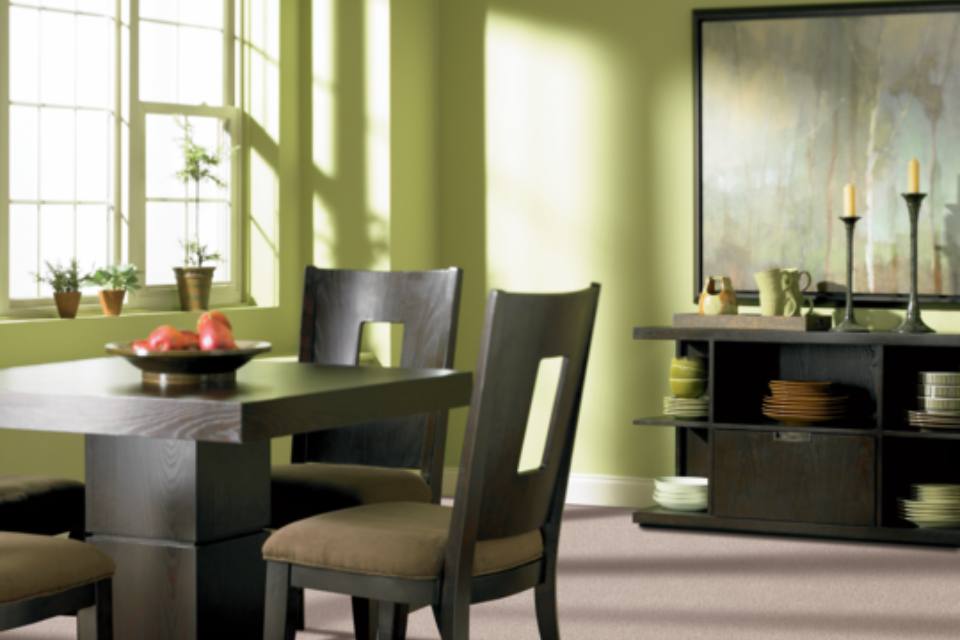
<point x="190" y="368"/>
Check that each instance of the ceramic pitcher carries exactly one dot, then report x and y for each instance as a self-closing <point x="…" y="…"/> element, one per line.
<point x="793" y="299"/>
<point x="718" y="297"/>
<point x="770" y="286"/>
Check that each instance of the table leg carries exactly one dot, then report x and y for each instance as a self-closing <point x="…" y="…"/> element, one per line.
<point x="184" y="522"/>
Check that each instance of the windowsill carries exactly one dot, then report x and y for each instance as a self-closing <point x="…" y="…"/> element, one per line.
<point x="93" y="312"/>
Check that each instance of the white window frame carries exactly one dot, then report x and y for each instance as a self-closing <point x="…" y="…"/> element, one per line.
<point x="154" y="297"/>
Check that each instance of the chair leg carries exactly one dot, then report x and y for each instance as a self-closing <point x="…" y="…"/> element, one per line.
<point x="364" y="619"/>
<point x="392" y="621"/>
<point x="546" y="601"/>
<point x="455" y="620"/>
<point x="96" y="622"/>
<point x="298" y="611"/>
<point x="281" y="604"/>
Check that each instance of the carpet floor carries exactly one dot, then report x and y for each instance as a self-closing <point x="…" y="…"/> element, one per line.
<point x="616" y="581"/>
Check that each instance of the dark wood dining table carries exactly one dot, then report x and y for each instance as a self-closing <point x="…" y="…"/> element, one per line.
<point x="178" y="483"/>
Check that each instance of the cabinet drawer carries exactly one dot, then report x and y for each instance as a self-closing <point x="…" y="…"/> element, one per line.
<point x="794" y="476"/>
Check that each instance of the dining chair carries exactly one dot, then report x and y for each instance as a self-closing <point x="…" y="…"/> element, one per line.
<point x="45" y="576"/>
<point x="501" y="535"/>
<point x="37" y="504"/>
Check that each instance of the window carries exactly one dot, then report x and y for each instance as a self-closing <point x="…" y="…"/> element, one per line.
<point x="94" y="104"/>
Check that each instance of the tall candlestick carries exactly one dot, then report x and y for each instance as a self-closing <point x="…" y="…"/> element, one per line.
<point x="913" y="176"/>
<point x="849" y="324"/>
<point x="912" y="323"/>
<point x="849" y="201"/>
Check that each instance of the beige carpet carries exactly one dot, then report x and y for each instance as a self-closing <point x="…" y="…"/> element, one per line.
<point x="619" y="582"/>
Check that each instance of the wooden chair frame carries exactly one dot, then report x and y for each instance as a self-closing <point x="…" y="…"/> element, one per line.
<point x="92" y="603"/>
<point x="540" y="326"/>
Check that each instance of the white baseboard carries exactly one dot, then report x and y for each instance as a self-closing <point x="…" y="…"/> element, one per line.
<point x="589" y="489"/>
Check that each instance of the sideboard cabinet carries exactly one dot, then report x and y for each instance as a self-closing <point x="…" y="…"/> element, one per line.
<point x="840" y="480"/>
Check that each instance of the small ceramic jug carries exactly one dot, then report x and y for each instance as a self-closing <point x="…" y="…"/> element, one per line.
<point x="770" y="286"/>
<point x="718" y="297"/>
<point x="793" y="299"/>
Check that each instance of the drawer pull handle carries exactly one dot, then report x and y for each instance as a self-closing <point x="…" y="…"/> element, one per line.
<point x="791" y="436"/>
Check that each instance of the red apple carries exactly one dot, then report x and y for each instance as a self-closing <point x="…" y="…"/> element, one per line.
<point x="140" y="347"/>
<point x="213" y="317"/>
<point x="191" y="339"/>
<point x="214" y="335"/>
<point x="166" y="338"/>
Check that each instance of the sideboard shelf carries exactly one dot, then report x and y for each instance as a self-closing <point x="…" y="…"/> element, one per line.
<point x="815" y="480"/>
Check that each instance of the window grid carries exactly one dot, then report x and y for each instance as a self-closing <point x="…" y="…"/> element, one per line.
<point x="125" y="204"/>
<point x="40" y="107"/>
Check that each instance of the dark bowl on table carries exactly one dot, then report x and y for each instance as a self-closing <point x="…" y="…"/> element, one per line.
<point x="190" y="367"/>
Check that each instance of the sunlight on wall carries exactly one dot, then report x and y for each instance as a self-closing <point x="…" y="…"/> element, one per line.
<point x="377" y="50"/>
<point x="261" y="53"/>
<point x="324" y="82"/>
<point x="264" y="231"/>
<point x="545" y="158"/>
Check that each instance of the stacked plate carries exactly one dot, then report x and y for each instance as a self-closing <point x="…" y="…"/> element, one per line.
<point x="681" y="493"/>
<point x="803" y="402"/>
<point x="686" y="407"/>
<point x="934" y="506"/>
<point x="938" y="402"/>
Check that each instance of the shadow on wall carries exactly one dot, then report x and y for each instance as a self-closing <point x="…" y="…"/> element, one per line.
<point x="349" y="130"/>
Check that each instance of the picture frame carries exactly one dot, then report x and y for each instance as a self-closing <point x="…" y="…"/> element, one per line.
<point x="757" y="67"/>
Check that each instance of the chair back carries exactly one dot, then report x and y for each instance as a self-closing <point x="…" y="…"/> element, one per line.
<point x="493" y="498"/>
<point x="336" y="305"/>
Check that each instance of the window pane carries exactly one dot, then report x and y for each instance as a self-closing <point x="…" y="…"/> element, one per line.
<point x="181" y="65"/>
<point x="164" y="157"/>
<point x="103" y="7"/>
<point x="56" y="236"/>
<point x="56" y="154"/>
<point x="163" y="9"/>
<point x="201" y="66"/>
<point x="94" y="145"/>
<point x="23" y="251"/>
<point x="166" y="227"/>
<point x="57" y="56"/>
<point x="208" y="13"/>
<point x="215" y="233"/>
<point x="57" y="4"/>
<point x="24" y="52"/>
<point x="93" y="236"/>
<point x="23" y="153"/>
<point x="158" y="71"/>
<point x="94" y="62"/>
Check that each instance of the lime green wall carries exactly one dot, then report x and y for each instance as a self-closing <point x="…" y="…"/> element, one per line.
<point x="565" y="156"/>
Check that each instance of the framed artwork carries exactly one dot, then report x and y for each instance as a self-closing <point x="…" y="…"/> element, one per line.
<point x="794" y="103"/>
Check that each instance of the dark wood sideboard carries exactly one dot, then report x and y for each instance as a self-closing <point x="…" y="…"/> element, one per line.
<point x="833" y="481"/>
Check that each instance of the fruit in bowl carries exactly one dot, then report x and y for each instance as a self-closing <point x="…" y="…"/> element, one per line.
<point x="171" y="356"/>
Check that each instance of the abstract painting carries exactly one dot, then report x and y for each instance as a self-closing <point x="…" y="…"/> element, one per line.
<point x="794" y="104"/>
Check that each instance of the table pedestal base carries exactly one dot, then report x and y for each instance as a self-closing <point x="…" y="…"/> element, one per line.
<point x="184" y="521"/>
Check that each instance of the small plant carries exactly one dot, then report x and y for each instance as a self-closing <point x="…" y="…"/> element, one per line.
<point x="62" y="279"/>
<point x="195" y="254"/>
<point x="116" y="277"/>
<point x="199" y="166"/>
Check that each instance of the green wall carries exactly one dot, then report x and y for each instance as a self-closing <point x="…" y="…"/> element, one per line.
<point x="566" y="156"/>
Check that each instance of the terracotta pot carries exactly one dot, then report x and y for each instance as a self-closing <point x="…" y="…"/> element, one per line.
<point x="111" y="301"/>
<point x="67" y="303"/>
<point x="193" y="285"/>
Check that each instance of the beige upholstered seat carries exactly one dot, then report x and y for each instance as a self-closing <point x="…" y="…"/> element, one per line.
<point x="302" y="490"/>
<point x="398" y="539"/>
<point x="34" y="565"/>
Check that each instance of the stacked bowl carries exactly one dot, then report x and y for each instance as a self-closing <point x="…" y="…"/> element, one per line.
<point x="688" y="383"/>
<point x="934" y="506"/>
<point x="681" y="493"/>
<point x="938" y="401"/>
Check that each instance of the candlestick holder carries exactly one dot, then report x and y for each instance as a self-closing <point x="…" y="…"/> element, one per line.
<point x="849" y="324"/>
<point x="912" y="322"/>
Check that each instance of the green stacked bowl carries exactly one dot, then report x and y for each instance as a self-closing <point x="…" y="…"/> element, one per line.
<point x="688" y="377"/>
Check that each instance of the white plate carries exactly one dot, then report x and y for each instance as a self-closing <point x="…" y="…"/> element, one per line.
<point x="681" y="481"/>
<point x="682" y="506"/>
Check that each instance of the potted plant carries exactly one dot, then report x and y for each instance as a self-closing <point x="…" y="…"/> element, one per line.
<point x="65" y="282"/>
<point x="194" y="279"/>
<point x="114" y="282"/>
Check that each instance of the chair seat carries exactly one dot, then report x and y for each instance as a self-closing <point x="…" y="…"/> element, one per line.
<point x="35" y="504"/>
<point x="396" y="539"/>
<point x="34" y="565"/>
<point x="302" y="490"/>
